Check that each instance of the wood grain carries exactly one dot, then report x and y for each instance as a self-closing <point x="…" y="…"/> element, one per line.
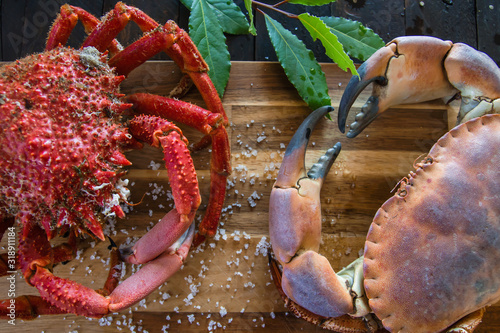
<point x="230" y="272"/>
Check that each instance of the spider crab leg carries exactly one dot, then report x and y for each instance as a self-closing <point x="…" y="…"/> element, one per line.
<point x="163" y="249"/>
<point x="208" y="123"/>
<point x="295" y="232"/>
<point x="160" y="132"/>
<point x="65" y="23"/>
<point x="419" y="68"/>
<point x="59" y="295"/>
<point x="178" y="45"/>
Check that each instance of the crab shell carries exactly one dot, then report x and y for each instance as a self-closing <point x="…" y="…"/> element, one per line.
<point x="432" y="253"/>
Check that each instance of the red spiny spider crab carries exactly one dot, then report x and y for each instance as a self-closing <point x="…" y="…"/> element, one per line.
<point x="61" y="163"/>
<point x="431" y="255"/>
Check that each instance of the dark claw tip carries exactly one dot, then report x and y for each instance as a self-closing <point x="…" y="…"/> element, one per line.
<point x="112" y="244"/>
<point x="125" y="253"/>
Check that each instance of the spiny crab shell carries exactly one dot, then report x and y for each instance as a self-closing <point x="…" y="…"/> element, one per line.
<point x="61" y="140"/>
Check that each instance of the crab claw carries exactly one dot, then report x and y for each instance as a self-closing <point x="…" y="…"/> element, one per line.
<point x="420" y="68"/>
<point x="295" y="229"/>
<point x="296" y="194"/>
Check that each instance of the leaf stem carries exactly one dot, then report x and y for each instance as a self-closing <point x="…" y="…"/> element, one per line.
<point x="273" y="7"/>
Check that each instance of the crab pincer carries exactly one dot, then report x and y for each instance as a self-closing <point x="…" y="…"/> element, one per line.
<point x="415" y="69"/>
<point x="295" y="232"/>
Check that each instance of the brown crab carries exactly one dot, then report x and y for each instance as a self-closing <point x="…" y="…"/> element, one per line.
<point x="431" y="255"/>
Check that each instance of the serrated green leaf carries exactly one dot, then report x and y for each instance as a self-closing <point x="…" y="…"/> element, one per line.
<point x="311" y="2"/>
<point x="318" y="30"/>
<point x="232" y="20"/>
<point x="358" y="41"/>
<point x="248" y="6"/>
<point x="207" y="34"/>
<point x="299" y="64"/>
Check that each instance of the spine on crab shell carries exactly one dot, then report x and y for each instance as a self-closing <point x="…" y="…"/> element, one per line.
<point x="91" y="222"/>
<point x="118" y="158"/>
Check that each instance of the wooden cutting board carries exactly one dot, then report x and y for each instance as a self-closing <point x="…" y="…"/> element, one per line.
<point x="229" y="275"/>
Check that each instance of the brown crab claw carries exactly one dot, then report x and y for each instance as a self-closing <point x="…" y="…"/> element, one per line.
<point x="371" y="71"/>
<point x="295" y="195"/>
<point x="415" y="69"/>
<point x="293" y="165"/>
<point x="295" y="228"/>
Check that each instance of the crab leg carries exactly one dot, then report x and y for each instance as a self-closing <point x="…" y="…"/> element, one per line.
<point x="157" y="131"/>
<point x="71" y="297"/>
<point x="66" y="22"/>
<point x="36" y="256"/>
<point x="182" y="52"/>
<point x="186" y="55"/>
<point x="220" y="168"/>
<point x="62" y="252"/>
<point x="27" y="308"/>
<point x="176" y="110"/>
<point x="153" y="274"/>
<point x="295" y="232"/>
<point x="416" y="69"/>
<point x="343" y="323"/>
<point x="65" y="296"/>
<point x="138" y="52"/>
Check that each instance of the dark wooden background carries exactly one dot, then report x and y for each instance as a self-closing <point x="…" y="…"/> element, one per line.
<point x="25" y="23"/>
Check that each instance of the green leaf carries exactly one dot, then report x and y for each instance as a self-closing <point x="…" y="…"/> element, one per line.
<point x="318" y="30"/>
<point x="248" y="6"/>
<point x="311" y="2"/>
<point x="232" y="20"/>
<point x="187" y="3"/>
<point x="230" y="17"/>
<point x="299" y="64"/>
<point x="207" y="34"/>
<point x="358" y="41"/>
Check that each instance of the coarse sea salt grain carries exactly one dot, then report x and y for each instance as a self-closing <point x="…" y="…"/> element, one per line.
<point x="154" y="166"/>
<point x="262" y="247"/>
